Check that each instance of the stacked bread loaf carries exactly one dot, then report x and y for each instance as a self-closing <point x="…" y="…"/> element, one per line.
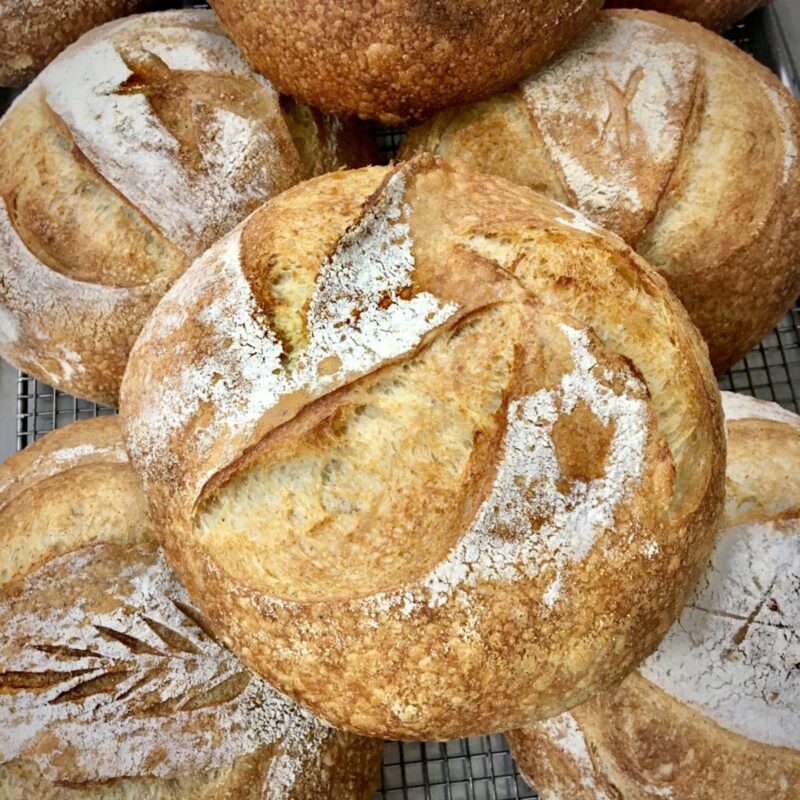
<point x="424" y="450"/>
<point x="130" y="154"/>
<point x="713" y="712"/>
<point x="671" y="137"/>
<point x="112" y="683"/>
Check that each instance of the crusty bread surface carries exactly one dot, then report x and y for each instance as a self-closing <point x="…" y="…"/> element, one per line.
<point x="715" y="14"/>
<point x="112" y="686"/>
<point x="395" y="60"/>
<point x="137" y="148"/>
<point x="33" y="33"/>
<point x="671" y="137"/>
<point x="431" y="439"/>
<point x="713" y="712"/>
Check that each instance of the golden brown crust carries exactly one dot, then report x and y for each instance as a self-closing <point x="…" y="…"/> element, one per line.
<point x="73" y="499"/>
<point x="33" y="33"/>
<point x="641" y="739"/>
<point x="488" y="300"/>
<point x="400" y="59"/>
<point x="680" y="143"/>
<point x="107" y="195"/>
<point x="715" y="14"/>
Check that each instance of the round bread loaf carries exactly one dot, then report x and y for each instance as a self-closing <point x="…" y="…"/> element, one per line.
<point x="112" y="685"/>
<point x="434" y="452"/>
<point x="394" y="60"/>
<point x="715" y="14"/>
<point x="671" y="137"/>
<point x="130" y="154"/>
<point x="714" y="711"/>
<point x="32" y="32"/>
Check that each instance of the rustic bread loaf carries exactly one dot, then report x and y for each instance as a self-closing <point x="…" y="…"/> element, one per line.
<point x="671" y="137"/>
<point x="112" y="686"/>
<point x="130" y="154"/>
<point x="400" y="59"/>
<point x="434" y="452"/>
<point x="714" y="711"/>
<point x="715" y="14"/>
<point x="32" y="32"/>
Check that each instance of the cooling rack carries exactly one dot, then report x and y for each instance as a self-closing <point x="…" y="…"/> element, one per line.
<point x="481" y="768"/>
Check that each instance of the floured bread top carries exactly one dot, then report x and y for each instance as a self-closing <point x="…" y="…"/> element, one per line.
<point x="357" y="318"/>
<point x="374" y="418"/>
<point x="564" y="733"/>
<point x="193" y="171"/>
<point x="107" y="671"/>
<point x="615" y="132"/>
<point x="742" y="406"/>
<point x="365" y="308"/>
<point x="734" y="654"/>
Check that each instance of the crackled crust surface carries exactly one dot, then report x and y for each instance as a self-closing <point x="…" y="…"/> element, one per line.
<point x="712" y="713"/>
<point x="394" y="450"/>
<point x="394" y="60"/>
<point x="141" y="145"/>
<point x="113" y="685"/>
<point x="671" y="137"/>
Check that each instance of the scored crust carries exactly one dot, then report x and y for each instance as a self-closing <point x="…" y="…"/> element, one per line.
<point x="712" y="713"/>
<point x="671" y="137"/>
<point x="137" y="148"/>
<point x="113" y="685"/>
<point x="400" y="59"/>
<point x="33" y="33"/>
<point x="393" y="450"/>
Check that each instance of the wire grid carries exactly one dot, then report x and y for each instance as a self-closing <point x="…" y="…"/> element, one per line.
<point x="479" y="768"/>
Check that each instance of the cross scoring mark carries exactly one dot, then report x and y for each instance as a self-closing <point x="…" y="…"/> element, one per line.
<point x="619" y="101"/>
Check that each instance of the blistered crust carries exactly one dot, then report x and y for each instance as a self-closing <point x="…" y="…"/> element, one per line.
<point x="88" y="244"/>
<point x="712" y="712"/>
<point x="290" y="364"/>
<point x="400" y="59"/>
<point x="112" y="684"/>
<point x="671" y="137"/>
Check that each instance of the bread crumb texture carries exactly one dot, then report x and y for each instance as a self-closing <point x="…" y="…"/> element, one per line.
<point x="412" y="365"/>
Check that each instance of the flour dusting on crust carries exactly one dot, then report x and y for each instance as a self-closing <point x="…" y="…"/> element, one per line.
<point x="107" y="672"/>
<point x="502" y="543"/>
<point x="126" y="141"/>
<point x="360" y="316"/>
<point x="612" y="112"/>
<point x="742" y="406"/>
<point x="734" y="654"/>
<point x="564" y="733"/>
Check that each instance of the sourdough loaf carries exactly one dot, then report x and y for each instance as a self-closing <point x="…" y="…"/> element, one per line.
<point x="715" y="14"/>
<point x="400" y="59"/>
<point x="112" y="685"/>
<point x="130" y="154"/>
<point x="714" y="711"/>
<point x="671" y="137"/>
<point x="33" y="32"/>
<point x="434" y="452"/>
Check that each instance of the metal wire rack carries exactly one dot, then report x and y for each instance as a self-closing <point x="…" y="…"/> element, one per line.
<point x="481" y="768"/>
